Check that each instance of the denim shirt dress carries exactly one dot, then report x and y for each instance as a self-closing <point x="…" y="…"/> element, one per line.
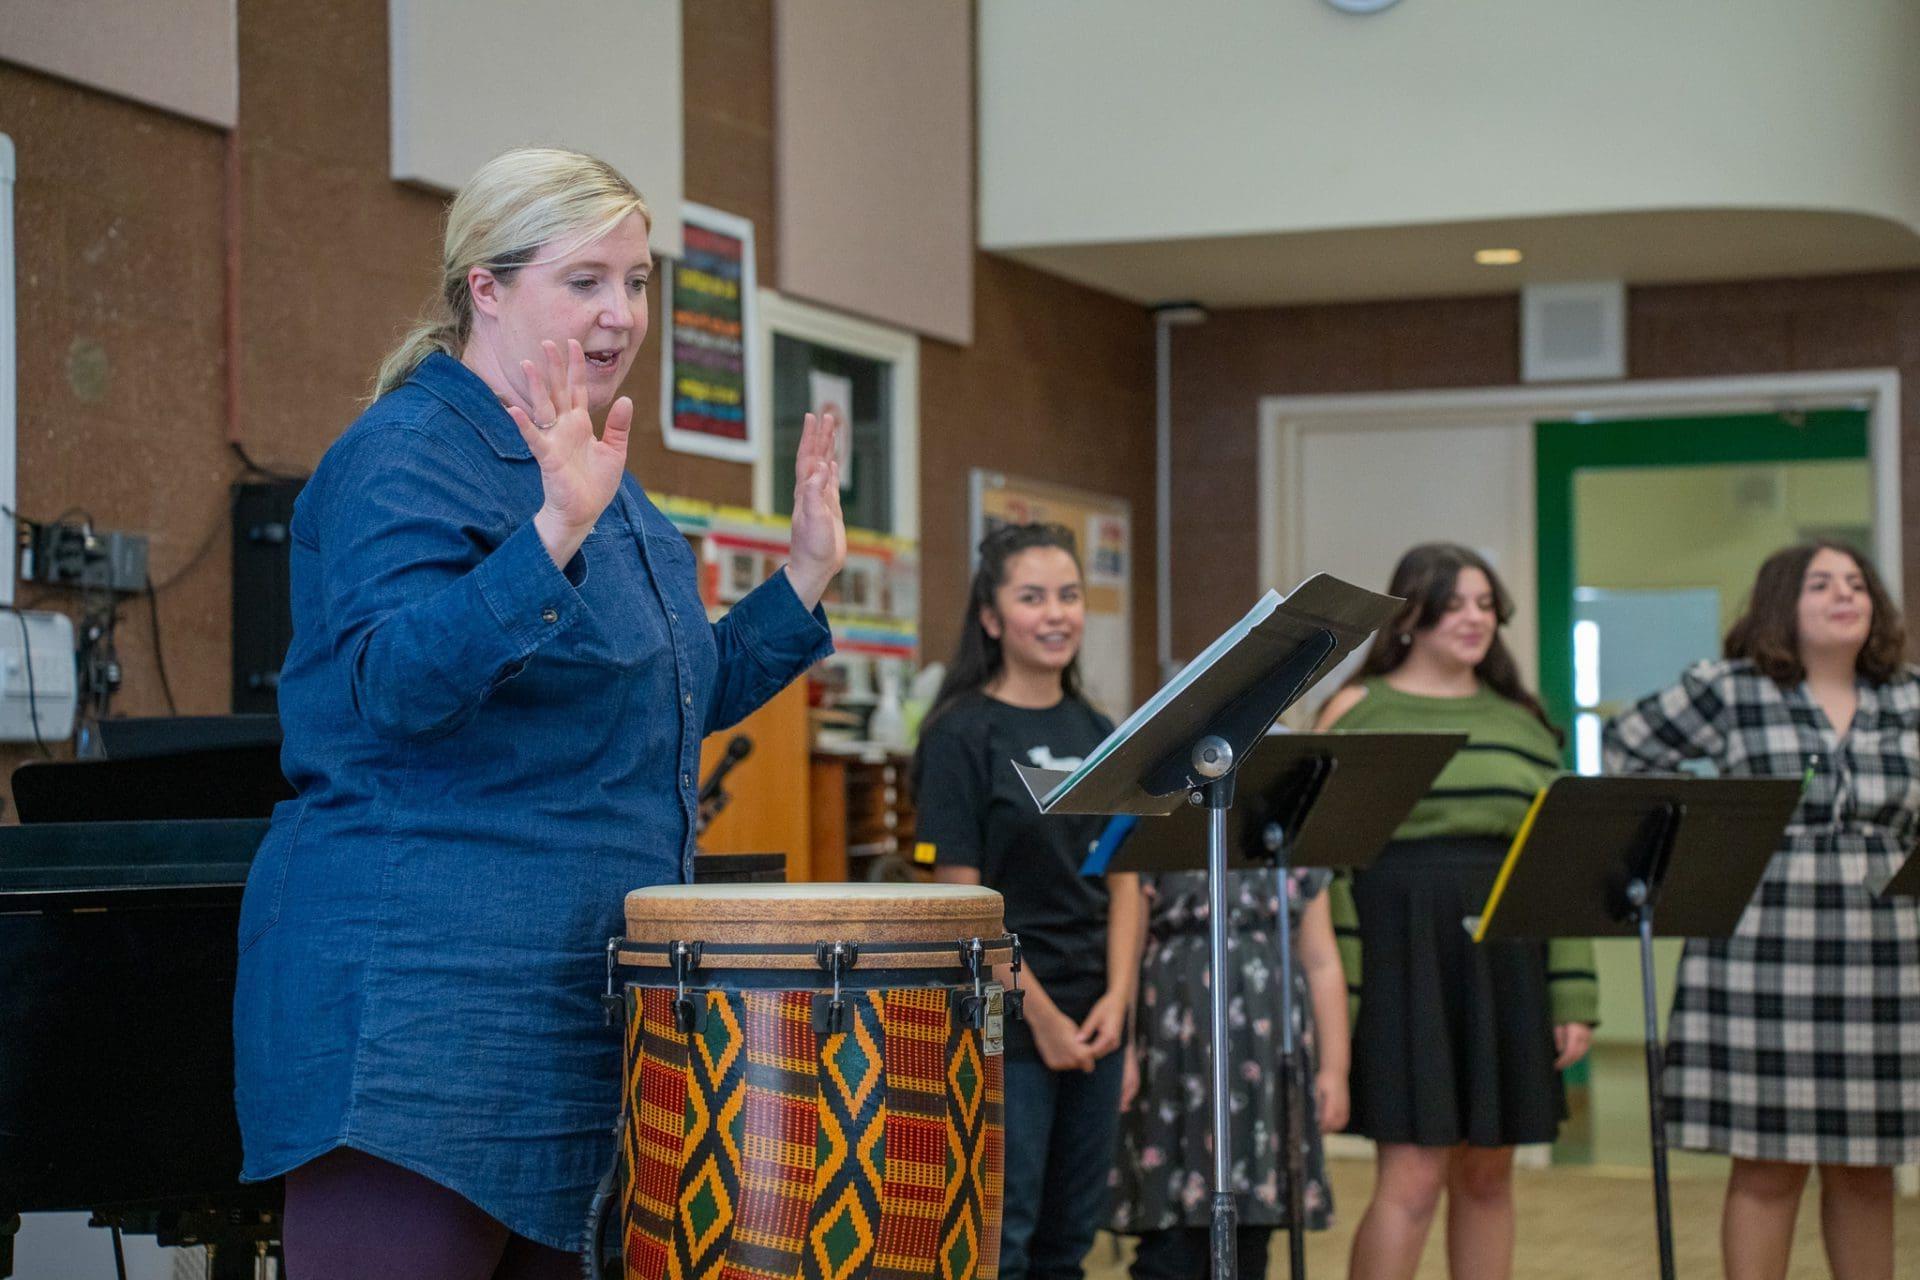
<point x="487" y="752"/>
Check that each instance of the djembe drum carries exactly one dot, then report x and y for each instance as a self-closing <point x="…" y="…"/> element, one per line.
<point x="813" y="1081"/>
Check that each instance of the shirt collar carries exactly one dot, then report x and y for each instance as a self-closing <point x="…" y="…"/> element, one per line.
<point x="462" y="390"/>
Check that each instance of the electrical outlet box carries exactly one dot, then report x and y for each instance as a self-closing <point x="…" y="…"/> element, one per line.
<point x="70" y="555"/>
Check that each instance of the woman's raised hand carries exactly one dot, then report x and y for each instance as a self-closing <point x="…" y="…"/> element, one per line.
<point x="819" y="542"/>
<point x="579" y="474"/>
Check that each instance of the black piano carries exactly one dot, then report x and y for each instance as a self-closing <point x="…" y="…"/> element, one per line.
<point x="119" y="902"/>
<point x="119" y="907"/>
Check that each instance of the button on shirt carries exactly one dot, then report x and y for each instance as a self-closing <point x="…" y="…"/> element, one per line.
<point x="484" y="750"/>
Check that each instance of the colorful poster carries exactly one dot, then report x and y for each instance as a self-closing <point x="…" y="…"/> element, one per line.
<point x="1105" y="550"/>
<point x="706" y="343"/>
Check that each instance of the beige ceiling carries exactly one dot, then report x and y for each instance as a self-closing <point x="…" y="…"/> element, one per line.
<point x="1437" y="260"/>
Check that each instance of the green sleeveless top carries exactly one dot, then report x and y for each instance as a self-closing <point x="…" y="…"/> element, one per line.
<point x="1487" y="788"/>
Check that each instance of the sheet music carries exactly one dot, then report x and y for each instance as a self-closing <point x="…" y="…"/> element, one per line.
<point x="1271" y="629"/>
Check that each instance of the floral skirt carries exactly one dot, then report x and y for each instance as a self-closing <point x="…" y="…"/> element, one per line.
<point x="1164" y="1174"/>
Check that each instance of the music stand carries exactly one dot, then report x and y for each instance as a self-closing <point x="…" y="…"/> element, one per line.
<point x="1903" y="883"/>
<point x="1309" y="800"/>
<point x="1184" y="745"/>
<point x="1597" y="857"/>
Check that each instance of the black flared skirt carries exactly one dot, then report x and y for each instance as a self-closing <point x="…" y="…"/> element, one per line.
<point x="1454" y="1041"/>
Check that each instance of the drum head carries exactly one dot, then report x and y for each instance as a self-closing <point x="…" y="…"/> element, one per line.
<point x="874" y="917"/>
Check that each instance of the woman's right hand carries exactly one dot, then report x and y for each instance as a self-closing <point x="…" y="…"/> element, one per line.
<point x="1058" y="1040"/>
<point x="579" y="474"/>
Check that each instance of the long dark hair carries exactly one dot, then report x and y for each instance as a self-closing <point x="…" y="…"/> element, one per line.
<point x="977" y="659"/>
<point x="1425" y="578"/>
<point x="1768" y="633"/>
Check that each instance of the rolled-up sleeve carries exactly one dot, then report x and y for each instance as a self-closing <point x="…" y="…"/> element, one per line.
<point x="765" y="640"/>
<point x="1680" y="722"/>
<point x="429" y="609"/>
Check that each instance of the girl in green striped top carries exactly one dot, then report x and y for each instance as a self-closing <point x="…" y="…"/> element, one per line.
<point x="1457" y="1046"/>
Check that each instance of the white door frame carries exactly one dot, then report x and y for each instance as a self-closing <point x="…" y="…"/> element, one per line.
<point x="1285" y="420"/>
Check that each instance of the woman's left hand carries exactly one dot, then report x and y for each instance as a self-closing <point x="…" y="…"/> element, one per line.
<point x="1571" y="1040"/>
<point x="818" y="546"/>
<point x="1330" y="1088"/>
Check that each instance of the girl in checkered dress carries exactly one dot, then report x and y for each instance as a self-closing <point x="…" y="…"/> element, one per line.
<point x="1796" y="1042"/>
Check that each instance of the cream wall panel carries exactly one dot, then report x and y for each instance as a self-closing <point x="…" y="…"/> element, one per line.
<point x="471" y="78"/>
<point x="1122" y="120"/>
<point x="873" y="128"/>
<point x="182" y="56"/>
<point x="1360" y="495"/>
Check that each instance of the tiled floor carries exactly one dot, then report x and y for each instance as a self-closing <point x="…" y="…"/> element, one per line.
<point x="1589" y="1216"/>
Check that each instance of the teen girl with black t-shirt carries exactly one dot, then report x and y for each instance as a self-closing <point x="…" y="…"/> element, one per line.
<point x="1013" y="693"/>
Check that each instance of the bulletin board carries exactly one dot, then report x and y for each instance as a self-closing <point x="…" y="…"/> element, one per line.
<point x="1103" y="527"/>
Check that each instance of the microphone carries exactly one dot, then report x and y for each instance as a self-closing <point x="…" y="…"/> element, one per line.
<point x="738" y="749"/>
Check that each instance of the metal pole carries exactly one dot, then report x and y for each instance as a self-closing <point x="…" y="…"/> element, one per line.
<point x="1224" y="1256"/>
<point x="1293" y="1096"/>
<point x="1638" y="896"/>
<point x="1163" y="495"/>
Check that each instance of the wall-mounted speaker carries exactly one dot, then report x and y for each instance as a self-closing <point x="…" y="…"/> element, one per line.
<point x="1573" y="332"/>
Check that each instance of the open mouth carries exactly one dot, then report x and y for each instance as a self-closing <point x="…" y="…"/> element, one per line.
<point x="603" y="359"/>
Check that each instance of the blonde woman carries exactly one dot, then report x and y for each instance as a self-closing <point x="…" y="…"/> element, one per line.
<point x="500" y="675"/>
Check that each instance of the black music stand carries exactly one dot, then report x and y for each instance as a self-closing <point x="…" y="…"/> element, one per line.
<point x="1306" y="800"/>
<point x="1904" y="883"/>
<point x="1596" y="857"/>
<point x="1184" y="745"/>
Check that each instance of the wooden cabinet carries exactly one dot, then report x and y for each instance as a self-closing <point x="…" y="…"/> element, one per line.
<point x="769" y="810"/>
<point x="862" y="816"/>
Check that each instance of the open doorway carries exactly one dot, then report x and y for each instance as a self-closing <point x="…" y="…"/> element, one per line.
<point x="1648" y="533"/>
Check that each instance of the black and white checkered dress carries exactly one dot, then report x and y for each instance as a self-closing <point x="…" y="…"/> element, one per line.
<point x="1798" y="1039"/>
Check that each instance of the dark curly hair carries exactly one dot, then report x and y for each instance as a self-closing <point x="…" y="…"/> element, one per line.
<point x="1768" y="633"/>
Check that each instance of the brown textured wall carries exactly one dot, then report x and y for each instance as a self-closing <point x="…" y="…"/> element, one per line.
<point x="121" y="250"/>
<point x="1058" y="386"/>
<point x="1223" y="368"/>
<point x="118" y="274"/>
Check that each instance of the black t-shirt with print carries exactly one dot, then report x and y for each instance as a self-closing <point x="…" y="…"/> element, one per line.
<point x="975" y="812"/>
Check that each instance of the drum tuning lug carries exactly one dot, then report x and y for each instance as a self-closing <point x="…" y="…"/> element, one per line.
<point x="1016" y="1003"/>
<point x="836" y="957"/>
<point x="610" y="998"/>
<point x="689" y="1015"/>
<point x="970" y="1010"/>
<point x="829" y="1014"/>
<point x="685" y="957"/>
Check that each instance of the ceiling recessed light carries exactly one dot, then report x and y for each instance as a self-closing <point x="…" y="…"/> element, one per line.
<point x="1497" y="257"/>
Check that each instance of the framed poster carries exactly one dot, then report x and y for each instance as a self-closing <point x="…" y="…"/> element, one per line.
<point x="706" y="304"/>
<point x="1102" y="528"/>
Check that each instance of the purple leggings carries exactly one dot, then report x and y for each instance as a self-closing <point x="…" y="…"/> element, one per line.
<point x="351" y="1216"/>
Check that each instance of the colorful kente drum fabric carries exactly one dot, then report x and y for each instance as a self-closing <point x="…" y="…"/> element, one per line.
<point x="766" y="1137"/>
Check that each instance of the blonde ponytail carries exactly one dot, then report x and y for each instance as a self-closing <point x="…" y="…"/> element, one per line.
<point x="518" y="204"/>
